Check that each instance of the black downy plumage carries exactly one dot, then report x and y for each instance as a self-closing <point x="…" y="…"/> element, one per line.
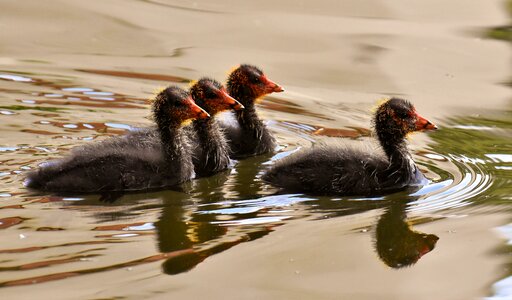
<point x="348" y="170"/>
<point x="249" y="136"/>
<point x="129" y="163"/>
<point x="211" y="149"/>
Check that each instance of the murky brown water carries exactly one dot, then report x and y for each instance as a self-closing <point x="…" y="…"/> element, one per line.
<point x="72" y="72"/>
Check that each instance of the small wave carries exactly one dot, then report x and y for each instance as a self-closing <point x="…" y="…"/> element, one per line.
<point x="472" y="181"/>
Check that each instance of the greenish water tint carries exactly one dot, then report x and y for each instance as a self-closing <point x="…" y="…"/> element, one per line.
<point x="502" y="32"/>
<point x="482" y="144"/>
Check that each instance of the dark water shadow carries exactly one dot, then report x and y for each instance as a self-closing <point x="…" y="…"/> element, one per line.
<point x="395" y="241"/>
<point x="197" y="235"/>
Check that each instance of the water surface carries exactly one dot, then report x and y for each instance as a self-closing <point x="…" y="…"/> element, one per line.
<point x="89" y="74"/>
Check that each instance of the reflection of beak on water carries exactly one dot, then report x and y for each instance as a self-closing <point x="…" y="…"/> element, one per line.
<point x="396" y="243"/>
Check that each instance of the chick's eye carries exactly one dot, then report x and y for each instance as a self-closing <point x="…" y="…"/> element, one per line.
<point x="402" y="114"/>
<point x="210" y="94"/>
<point x="180" y="104"/>
<point x="255" y="79"/>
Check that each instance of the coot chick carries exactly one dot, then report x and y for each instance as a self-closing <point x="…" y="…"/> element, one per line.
<point x="126" y="163"/>
<point x="249" y="136"/>
<point x="211" y="149"/>
<point x="347" y="170"/>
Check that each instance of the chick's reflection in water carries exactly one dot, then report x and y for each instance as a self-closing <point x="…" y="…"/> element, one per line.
<point x="179" y="230"/>
<point x="396" y="243"/>
<point x="188" y="229"/>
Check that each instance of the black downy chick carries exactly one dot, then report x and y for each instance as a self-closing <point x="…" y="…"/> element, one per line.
<point x="349" y="170"/>
<point x="128" y="163"/>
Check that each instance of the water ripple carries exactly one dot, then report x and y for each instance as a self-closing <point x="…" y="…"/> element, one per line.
<point x="472" y="180"/>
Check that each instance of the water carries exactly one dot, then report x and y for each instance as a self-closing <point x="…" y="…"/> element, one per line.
<point x="90" y="74"/>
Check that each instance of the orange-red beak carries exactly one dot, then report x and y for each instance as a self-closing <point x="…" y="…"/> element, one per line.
<point x="423" y="124"/>
<point x="196" y="111"/>
<point x="270" y="86"/>
<point x="230" y="101"/>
